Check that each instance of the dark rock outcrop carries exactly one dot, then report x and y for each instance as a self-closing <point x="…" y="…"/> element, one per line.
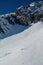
<point x="24" y="15"/>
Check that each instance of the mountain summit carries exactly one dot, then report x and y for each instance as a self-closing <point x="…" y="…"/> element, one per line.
<point x="23" y="16"/>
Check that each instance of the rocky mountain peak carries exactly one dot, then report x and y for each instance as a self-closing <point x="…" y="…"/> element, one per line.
<point x="24" y="15"/>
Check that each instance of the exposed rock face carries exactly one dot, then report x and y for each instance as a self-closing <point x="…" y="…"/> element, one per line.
<point x="1" y="30"/>
<point x="24" y="15"/>
<point x="31" y="13"/>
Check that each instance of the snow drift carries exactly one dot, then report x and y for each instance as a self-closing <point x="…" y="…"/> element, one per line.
<point x="25" y="48"/>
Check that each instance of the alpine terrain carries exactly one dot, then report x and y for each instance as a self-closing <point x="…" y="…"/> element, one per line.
<point x="21" y="36"/>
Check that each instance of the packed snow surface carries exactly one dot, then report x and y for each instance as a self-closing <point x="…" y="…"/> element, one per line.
<point x="25" y="48"/>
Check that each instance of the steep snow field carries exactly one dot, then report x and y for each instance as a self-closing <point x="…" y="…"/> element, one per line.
<point x="25" y="48"/>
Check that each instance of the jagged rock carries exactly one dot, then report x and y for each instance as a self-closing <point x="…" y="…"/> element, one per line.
<point x="30" y="13"/>
<point x="24" y="15"/>
<point x="34" y="4"/>
<point x="41" y="19"/>
<point x="10" y="20"/>
<point x="41" y="3"/>
<point x="1" y="30"/>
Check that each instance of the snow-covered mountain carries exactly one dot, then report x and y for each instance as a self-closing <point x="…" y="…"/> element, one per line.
<point x="25" y="46"/>
<point x="21" y="19"/>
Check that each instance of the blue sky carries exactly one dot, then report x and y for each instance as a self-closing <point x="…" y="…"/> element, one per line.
<point x="7" y="6"/>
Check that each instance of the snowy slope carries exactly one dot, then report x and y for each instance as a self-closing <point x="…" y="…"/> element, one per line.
<point x="21" y="36"/>
<point x="25" y="48"/>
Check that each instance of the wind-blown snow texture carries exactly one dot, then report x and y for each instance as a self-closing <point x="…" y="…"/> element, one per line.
<point x="25" y="48"/>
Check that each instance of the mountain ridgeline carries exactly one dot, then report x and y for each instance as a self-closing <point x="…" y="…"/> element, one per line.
<point x="24" y="15"/>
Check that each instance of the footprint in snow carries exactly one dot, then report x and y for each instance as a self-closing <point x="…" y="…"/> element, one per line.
<point x="23" y="49"/>
<point x="5" y="54"/>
